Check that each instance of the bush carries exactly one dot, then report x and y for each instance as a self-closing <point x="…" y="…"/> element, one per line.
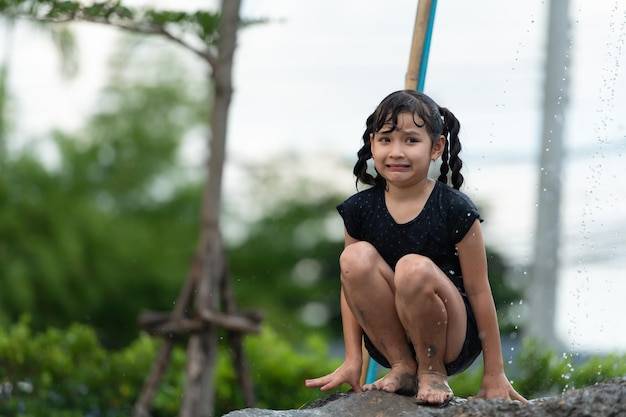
<point x="67" y="373"/>
<point x="546" y="372"/>
<point x="540" y="371"/>
<point x="279" y="371"/>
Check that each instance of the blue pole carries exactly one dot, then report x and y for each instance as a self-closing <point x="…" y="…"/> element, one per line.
<point x="371" y="371"/>
<point x="421" y="78"/>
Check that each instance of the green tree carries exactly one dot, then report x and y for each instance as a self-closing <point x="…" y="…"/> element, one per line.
<point x="214" y="41"/>
<point x="105" y="233"/>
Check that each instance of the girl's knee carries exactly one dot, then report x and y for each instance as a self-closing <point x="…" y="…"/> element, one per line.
<point x="415" y="273"/>
<point x="357" y="260"/>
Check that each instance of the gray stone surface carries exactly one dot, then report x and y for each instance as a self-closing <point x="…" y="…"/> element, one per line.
<point x="604" y="399"/>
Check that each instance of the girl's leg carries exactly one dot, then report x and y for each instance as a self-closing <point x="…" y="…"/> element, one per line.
<point x="433" y="312"/>
<point x="369" y="290"/>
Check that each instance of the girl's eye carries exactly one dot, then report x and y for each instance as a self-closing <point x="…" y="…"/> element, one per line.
<point x="383" y="139"/>
<point x="411" y="140"/>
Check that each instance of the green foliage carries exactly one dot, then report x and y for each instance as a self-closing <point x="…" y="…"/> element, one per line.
<point x="545" y="371"/>
<point x="467" y="383"/>
<point x="111" y="228"/>
<point x="539" y="371"/>
<point x="203" y="24"/>
<point x="67" y="373"/>
<point x="278" y="369"/>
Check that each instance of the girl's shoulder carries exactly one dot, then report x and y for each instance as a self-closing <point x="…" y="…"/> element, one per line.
<point x="369" y="194"/>
<point x="366" y="200"/>
<point x="449" y="193"/>
<point x="455" y="202"/>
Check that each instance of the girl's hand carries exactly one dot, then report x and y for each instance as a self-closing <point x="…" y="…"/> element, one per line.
<point x="347" y="373"/>
<point x="498" y="386"/>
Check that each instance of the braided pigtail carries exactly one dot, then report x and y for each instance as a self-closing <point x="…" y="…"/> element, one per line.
<point x="364" y="154"/>
<point x="450" y="157"/>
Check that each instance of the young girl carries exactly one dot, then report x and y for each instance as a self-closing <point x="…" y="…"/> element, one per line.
<point x="413" y="271"/>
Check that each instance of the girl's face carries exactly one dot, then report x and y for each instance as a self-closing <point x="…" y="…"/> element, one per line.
<point x="403" y="155"/>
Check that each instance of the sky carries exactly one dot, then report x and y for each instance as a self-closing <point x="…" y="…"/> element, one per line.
<point x="306" y="81"/>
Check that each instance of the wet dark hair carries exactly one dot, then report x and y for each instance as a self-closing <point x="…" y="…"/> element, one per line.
<point x="438" y="121"/>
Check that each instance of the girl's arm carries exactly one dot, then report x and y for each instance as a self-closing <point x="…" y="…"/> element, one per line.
<point x="473" y="261"/>
<point x="350" y="371"/>
<point x="352" y="332"/>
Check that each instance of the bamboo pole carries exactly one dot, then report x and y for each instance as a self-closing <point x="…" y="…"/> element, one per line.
<point x="420" y="45"/>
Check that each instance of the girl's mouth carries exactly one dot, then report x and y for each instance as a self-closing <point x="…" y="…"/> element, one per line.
<point x="397" y="167"/>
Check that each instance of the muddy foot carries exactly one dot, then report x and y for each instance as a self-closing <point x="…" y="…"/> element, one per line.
<point x="433" y="389"/>
<point x="398" y="381"/>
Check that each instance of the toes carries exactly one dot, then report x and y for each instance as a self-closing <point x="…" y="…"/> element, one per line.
<point x="434" y="398"/>
<point x="371" y="387"/>
<point x="387" y="388"/>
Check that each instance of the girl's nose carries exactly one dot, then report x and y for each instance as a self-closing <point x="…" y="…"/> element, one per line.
<point x="397" y="149"/>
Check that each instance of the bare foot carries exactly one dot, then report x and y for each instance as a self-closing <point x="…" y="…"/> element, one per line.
<point x="400" y="381"/>
<point x="433" y="389"/>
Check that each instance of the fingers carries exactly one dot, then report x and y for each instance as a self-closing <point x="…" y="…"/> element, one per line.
<point x="331" y="385"/>
<point x="480" y="395"/>
<point x="334" y="383"/>
<point x="325" y="383"/>
<point x="329" y="382"/>
<point x="316" y="382"/>
<point x="517" y="396"/>
<point x="356" y="387"/>
<point x="511" y="394"/>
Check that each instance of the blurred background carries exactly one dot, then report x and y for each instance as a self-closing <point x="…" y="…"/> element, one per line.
<point x="304" y="83"/>
<point x="103" y="146"/>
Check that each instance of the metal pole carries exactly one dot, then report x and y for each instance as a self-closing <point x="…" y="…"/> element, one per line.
<point x="544" y="272"/>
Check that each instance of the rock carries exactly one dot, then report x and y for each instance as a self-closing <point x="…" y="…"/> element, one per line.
<point x="604" y="399"/>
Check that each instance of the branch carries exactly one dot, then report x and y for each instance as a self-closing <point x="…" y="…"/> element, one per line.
<point x="164" y="324"/>
<point x="203" y="25"/>
<point x="205" y="54"/>
<point x="237" y="323"/>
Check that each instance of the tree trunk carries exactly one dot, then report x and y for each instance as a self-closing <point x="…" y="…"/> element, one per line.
<point x="199" y="400"/>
